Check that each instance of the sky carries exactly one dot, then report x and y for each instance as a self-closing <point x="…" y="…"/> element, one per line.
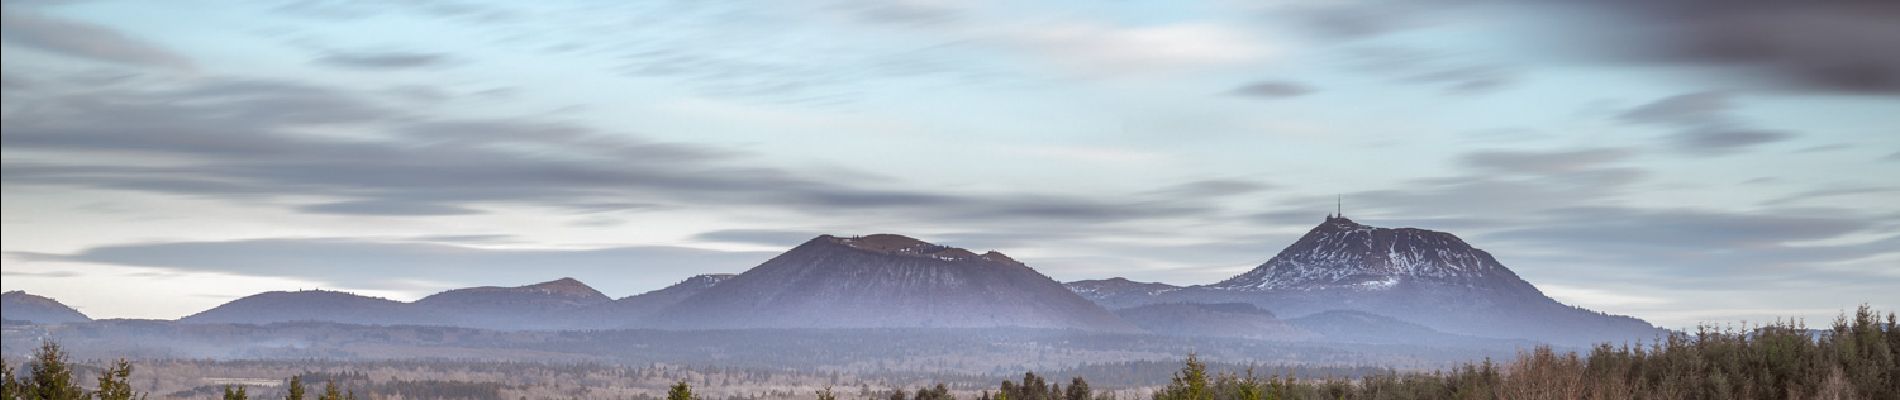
<point x="1681" y="161"/>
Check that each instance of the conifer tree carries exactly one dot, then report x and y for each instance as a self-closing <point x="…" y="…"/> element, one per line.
<point x="1189" y="384"/>
<point x="330" y="392"/>
<point x="826" y="394"/>
<point x="52" y="377"/>
<point x="114" y="382"/>
<point x="296" y="388"/>
<point x="235" y="394"/>
<point x="9" y="387"/>
<point x="1079" y="390"/>
<point x="680" y="391"/>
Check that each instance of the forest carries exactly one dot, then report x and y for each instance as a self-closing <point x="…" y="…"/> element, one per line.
<point x="1858" y="357"/>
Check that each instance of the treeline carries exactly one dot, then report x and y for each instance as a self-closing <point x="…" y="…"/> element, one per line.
<point x="50" y="377"/>
<point x="1858" y="358"/>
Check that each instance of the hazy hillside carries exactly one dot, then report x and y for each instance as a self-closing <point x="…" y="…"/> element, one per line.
<point x="19" y="306"/>
<point x="888" y="281"/>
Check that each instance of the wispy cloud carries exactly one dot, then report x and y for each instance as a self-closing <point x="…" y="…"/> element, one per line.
<point x="383" y="60"/>
<point x="33" y="30"/>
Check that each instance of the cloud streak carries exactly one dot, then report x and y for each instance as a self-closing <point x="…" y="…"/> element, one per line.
<point x="383" y="60"/>
<point x="246" y="140"/>
<point x="83" y="40"/>
<point x="619" y="271"/>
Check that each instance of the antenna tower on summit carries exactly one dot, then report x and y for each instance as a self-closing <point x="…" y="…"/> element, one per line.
<point x="1339" y="205"/>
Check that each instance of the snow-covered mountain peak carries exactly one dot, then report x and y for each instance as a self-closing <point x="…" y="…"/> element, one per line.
<point x="1342" y="254"/>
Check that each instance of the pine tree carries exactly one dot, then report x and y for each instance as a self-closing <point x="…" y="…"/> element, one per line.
<point x="114" y="382"/>
<point x="330" y="392"/>
<point x="1250" y="387"/>
<point x="680" y="391"/>
<point x="235" y="394"/>
<point x="1079" y="390"/>
<point x="9" y="387"/>
<point x="52" y="377"/>
<point x="826" y="394"/>
<point x="1189" y="384"/>
<point x="296" y="388"/>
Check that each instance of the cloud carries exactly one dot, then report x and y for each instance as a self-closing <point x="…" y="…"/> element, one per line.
<point x="1163" y="48"/>
<point x="904" y="12"/>
<point x="385" y="208"/>
<point x="1841" y="45"/>
<point x="1272" y="89"/>
<point x="41" y="274"/>
<point x="1452" y="72"/>
<point x="1351" y="20"/>
<point x="1718" y="142"/>
<point x="768" y="237"/>
<point x="1848" y="191"/>
<point x="1683" y="230"/>
<point x="1690" y="251"/>
<point x="1704" y="124"/>
<point x="1469" y="79"/>
<point x="83" y="40"/>
<point x="1494" y="184"/>
<point x="251" y="141"/>
<point x="619" y="271"/>
<point x="383" y="60"/>
<point x="1544" y="162"/>
<point x="1895" y="156"/>
<point x="1697" y="108"/>
<point x="349" y="10"/>
<point x="1212" y="188"/>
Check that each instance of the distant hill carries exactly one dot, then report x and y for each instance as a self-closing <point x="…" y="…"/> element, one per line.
<point x="19" y="306"/>
<point x="1428" y="278"/>
<point x="1119" y="292"/>
<point x="632" y="311"/>
<point x="528" y="307"/>
<point x="1238" y="320"/>
<point x="888" y="281"/>
<point x="314" y="305"/>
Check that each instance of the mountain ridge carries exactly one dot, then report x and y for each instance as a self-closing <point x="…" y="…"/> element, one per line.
<point x="887" y="280"/>
<point x="1430" y="278"/>
<point x="17" y="305"/>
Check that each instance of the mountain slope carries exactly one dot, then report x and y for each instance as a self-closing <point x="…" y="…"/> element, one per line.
<point x="1345" y="326"/>
<point x="1425" y="277"/>
<point x="1119" y="292"/>
<point x="1238" y="320"/>
<point x="512" y="308"/>
<point x="632" y="311"/>
<point x="19" y="306"/>
<point x="313" y="305"/>
<point x="887" y="281"/>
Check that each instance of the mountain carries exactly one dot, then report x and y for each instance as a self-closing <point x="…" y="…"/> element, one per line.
<point x="631" y="311"/>
<point x="1119" y="292"/>
<point x="1238" y="320"/>
<point x="1425" y="277"/>
<point x="512" y="308"/>
<point x="313" y="305"/>
<point x="19" y="306"/>
<point x="888" y="281"/>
